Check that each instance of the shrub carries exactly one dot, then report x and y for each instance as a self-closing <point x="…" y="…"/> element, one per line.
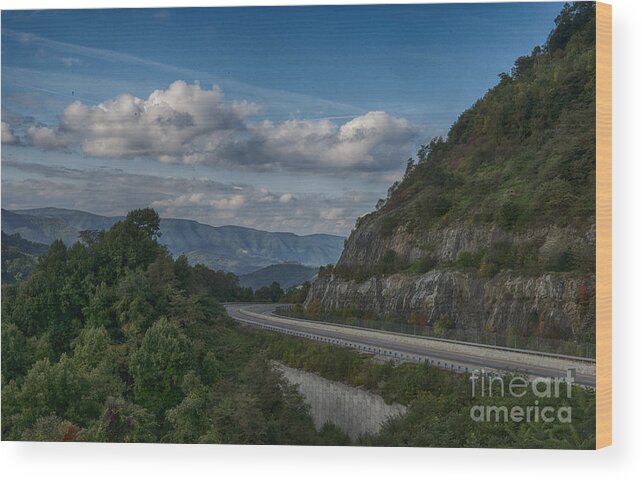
<point x="442" y="325"/>
<point x="469" y="260"/>
<point x="325" y="271"/>
<point x="424" y="264"/>
<point x="389" y="224"/>
<point x="488" y="269"/>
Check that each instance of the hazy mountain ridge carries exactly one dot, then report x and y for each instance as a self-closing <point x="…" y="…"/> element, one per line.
<point x="231" y="248"/>
<point x="287" y="275"/>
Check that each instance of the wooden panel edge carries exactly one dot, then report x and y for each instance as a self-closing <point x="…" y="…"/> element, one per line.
<point x="603" y="225"/>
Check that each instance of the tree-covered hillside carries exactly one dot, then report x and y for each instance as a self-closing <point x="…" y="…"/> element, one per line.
<point x="19" y="257"/>
<point x="113" y="340"/>
<point x="522" y="157"/>
<point x="286" y="275"/>
<point x="231" y="248"/>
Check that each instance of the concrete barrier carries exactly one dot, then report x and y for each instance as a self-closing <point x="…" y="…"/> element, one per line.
<point x="354" y="411"/>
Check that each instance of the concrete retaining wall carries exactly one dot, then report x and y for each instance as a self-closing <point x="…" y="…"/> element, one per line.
<point x="353" y="410"/>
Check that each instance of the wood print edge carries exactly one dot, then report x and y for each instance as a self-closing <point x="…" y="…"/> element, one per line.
<point x="603" y="225"/>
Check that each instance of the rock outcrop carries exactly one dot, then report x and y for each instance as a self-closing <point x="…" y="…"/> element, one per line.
<point x="553" y="304"/>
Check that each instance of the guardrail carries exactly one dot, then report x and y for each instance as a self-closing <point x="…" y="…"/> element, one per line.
<point x="398" y="356"/>
<point x="438" y="339"/>
<point x="395" y="355"/>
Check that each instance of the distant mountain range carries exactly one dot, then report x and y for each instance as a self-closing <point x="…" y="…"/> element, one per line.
<point x="287" y="275"/>
<point x="231" y="248"/>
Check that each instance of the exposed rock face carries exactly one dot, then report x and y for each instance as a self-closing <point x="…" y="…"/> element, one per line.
<point x="558" y="303"/>
<point x="550" y="303"/>
<point x="366" y="244"/>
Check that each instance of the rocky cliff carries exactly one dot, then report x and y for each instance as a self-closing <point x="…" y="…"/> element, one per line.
<point x="558" y="305"/>
<point x="549" y="303"/>
<point x="493" y="226"/>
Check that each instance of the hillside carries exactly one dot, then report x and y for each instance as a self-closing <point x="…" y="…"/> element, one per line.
<point x="41" y="229"/>
<point x="492" y="228"/>
<point x="19" y="257"/>
<point x="128" y="353"/>
<point x="242" y="250"/>
<point x="287" y="275"/>
<point x="236" y="249"/>
<point x="142" y="351"/>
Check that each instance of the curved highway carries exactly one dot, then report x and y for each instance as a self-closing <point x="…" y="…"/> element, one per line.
<point x="460" y="357"/>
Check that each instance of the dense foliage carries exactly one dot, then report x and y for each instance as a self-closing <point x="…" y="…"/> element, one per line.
<point x="525" y="153"/>
<point x="113" y="340"/>
<point x="439" y="402"/>
<point x="19" y="257"/>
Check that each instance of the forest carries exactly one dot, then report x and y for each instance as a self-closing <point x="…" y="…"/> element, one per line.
<point x="112" y="340"/>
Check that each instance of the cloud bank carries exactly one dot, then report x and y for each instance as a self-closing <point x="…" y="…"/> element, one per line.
<point x="8" y="137"/>
<point x="111" y="191"/>
<point x="190" y="124"/>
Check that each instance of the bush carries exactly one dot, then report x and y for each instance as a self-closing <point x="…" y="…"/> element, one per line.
<point x="325" y="271"/>
<point x="488" y="269"/>
<point x="509" y="214"/>
<point x="469" y="260"/>
<point x="424" y="264"/>
<point x="388" y="225"/>
<point x="442" y="325"/>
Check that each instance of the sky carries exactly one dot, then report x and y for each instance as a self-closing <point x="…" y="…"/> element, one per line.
<point x="278" y="118"/>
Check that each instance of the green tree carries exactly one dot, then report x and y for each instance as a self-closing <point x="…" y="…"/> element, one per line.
<point x="50" y="429"/>
<point x="191" y="419"/>
<point x="272" y="293"/>
<point x="121" y="422"/>
<point x="239" y="419"/>
<point x="159" y="365"/>
<point x="91" y="348"/>
<point x="67" y="389"/>
<point x="146" y="220"/>
<point x="16" y="357"/>
<point x="442" y="325"/>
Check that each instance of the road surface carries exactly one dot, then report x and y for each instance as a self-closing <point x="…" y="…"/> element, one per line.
<point x="461" y="357"/>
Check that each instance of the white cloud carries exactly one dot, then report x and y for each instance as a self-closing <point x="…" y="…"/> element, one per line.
<point x="232" y="202"/>
<point x="26" y="37"/>
<point x="166" y="125"/>
<point x="190" y="124"/>
<point x="374" y="141"/>
<point x="285" y="198"/>
<point x="332" y="213"/>
<point x="70" y="61"/>
<point x="46" y="138"/>
<point x="111" y="191"/>
<point x="200" y="199"/>
<point x="8" y="137"/>
<point x="180" y="201"/>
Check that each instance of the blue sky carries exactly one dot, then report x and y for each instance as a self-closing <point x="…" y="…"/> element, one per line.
<point x="278" y="118"/>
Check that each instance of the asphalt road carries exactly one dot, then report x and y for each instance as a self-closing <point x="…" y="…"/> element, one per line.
<point x="441" y="354"/>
